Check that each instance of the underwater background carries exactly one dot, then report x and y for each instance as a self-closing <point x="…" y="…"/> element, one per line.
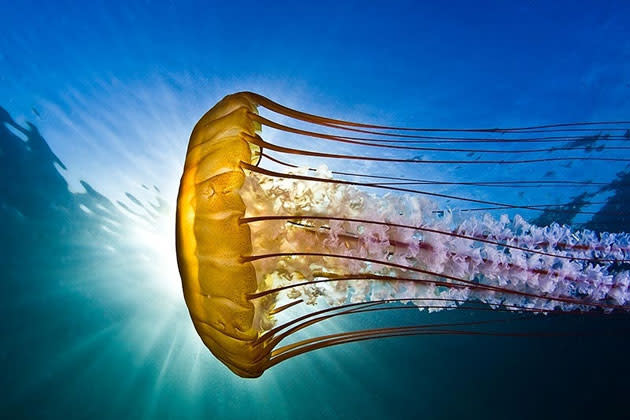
<point x="97" y="102"/>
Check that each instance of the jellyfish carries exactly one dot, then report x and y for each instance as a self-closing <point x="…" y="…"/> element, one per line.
<point x="323" y="218"/>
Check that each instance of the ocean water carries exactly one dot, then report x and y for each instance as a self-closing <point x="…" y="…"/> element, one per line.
<point x="97" y="103"/>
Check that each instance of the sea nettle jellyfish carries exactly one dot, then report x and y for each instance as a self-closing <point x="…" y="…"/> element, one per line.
<point x="326" y="218"/>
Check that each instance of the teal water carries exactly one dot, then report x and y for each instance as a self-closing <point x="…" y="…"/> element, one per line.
<point x="97" y="105"/>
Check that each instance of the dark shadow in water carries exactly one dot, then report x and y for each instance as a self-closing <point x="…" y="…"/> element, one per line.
<point x="57" y="250"/>
<point x="563" y="215"/>
<point x="39" y="209"/>
<point x="31" y="185"/>
<point x="612" y="216"/>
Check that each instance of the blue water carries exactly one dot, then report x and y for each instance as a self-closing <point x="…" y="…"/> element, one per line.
<point x="98" y="101"/>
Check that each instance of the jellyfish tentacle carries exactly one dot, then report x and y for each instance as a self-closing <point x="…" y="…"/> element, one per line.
<point x="284" y="349"/>
<point x="511" y="183"/>
<point x="365" y="141"/>
<point x="516" y="140"/>
<point x="432" y="327"/>
<point x="362" y="335"/>
<point x="279" y="309"/>
<point x="257" y="140"/>
<point x="277" y="338"/>
<point x="251" y="258"/>
<point x="498" y="205"/>
<point x="303" y="116"/>
<point x="440" y="232"/>
<point x="432" y="282"/>
<point x="272" y="334"/>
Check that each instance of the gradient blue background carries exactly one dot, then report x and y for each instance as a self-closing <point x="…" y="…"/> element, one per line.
<point x="93" y="320"/>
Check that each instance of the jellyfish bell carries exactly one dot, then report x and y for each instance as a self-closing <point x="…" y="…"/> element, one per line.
<point x="210" y="240"/>
<point x="259" y="235"/>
